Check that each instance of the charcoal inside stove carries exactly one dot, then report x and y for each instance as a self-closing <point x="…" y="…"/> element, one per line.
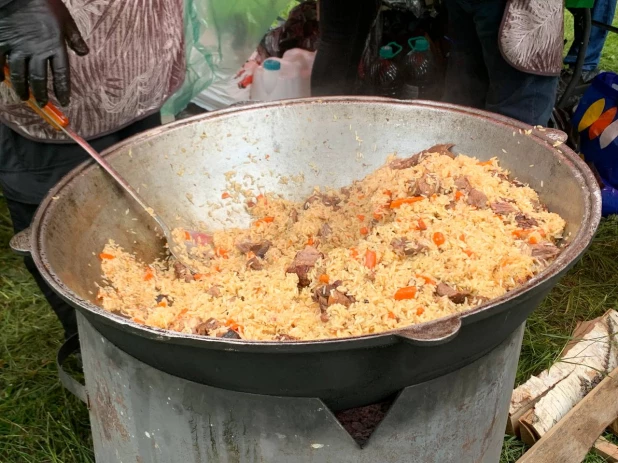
<point x="361" y="422"/>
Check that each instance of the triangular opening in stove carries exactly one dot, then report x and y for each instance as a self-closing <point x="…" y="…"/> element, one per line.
<point x="361" y="422"/>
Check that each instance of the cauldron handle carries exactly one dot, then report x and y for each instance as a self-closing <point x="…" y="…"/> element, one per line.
<point x="432" y="333"/>
<point x="20" y="243"/>
<point x="70" y="347"/>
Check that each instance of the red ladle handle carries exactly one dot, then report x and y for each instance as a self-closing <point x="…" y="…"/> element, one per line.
<point x="50" y="113"/>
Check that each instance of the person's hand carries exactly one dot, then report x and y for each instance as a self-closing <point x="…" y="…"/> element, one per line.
<point x="33" y="33"/>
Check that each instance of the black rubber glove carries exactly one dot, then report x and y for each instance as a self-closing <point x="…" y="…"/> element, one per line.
<point x="33" y="33"/>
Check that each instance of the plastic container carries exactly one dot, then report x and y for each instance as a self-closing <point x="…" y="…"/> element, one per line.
<point x="285" y="78"/>
<point x="420" y="72"/>
<point x="384" y="74"/>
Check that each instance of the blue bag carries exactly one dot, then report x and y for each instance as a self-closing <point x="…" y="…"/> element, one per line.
<point x="596" y="122"/>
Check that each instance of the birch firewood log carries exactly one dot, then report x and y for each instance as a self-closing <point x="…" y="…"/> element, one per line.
<point x="543" y="400"/>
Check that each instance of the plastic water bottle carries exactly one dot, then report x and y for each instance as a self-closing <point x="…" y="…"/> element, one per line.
<point x="283" y="79"/>
<point x="420" y="71"/>
<point x="384" y="73"/>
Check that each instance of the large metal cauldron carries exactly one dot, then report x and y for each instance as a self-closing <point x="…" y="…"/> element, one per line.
<point x="180" y="169"/>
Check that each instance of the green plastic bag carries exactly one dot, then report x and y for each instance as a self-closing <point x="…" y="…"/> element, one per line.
<point x="220" y="35"/>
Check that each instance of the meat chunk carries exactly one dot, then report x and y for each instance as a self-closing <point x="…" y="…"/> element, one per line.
<point x="517" y="183"/>
<point x="214" y="291"/>
<point x="502" y="208"/>
<point x="182" y="273"/>
<point x="204" y="329"/>
<point x="477" y="198"/>
<point x="427" y="185"/>
<point x="327" y="295"/>
<point x="231" y="334"/>
<point x="329" y="201"/>
<point x="294" y="215"/>
<point x="458" y="297"/>
<point x="164" y="297"/>
<point x="525" y="222"/>
<point x="415" y="159"/>
<point x="259" y="249"/>
<point x="325" y="231"/>
<point x="544" y="251"/>
<point x="462" y="183"/>
<point x="255" y="264"/>
<point x="538" y="207"/>
<point x="405" y="247"/>
<point x="303" y="262"/>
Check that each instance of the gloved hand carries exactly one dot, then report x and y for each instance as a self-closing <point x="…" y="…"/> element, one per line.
<point x="33" y="33"/>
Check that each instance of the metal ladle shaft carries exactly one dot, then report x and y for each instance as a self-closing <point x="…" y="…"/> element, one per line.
<point x="56" y="118"/>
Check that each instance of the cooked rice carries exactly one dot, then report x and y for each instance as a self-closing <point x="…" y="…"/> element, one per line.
<point x="483" y="256"/>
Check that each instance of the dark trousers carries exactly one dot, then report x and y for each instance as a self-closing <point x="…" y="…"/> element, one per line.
<point x="480" y="77"/>
<point x="344" y="29"/>
<point x="28" y="170"/>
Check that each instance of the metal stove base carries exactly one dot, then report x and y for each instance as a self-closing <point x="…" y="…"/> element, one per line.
<point x="141" y="415"/>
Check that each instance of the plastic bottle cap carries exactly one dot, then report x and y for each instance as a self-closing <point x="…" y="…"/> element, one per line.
<point x="272" y="65"/>
<point x="421" y="44"/>
<point x="386" y="52"/>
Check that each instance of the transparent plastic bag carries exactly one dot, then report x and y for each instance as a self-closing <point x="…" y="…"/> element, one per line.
<point x="220" y="36"/>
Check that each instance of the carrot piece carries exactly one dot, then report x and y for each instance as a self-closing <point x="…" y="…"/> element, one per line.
<point x="182" y="312"/>
<point x="459" y="195"/>
<point x="370" y="259"/>
<point x="187" y="236"/>
<point x="361" y="217"/>
<point x="261" y="197"/>
<point x="149" y="275"/>
<point x="420" y="311"/>
<point x="388" y="192"/>
<point x="265" y="220"/>
<point x="378" y="216"/>
<point x="392" y="315"/>
<point x="486" y="163"/>
<point x="139" y="320"/>
<point x="199" y="276"/>
<point x="427" y="280"/>
<point x="104" y="256"/>
<point x="364" y="231"/>
<point x="324" y="278"/>
<point x="162" y="303"/>
<point x="462" y="237"/>
<point x="533" y="240"/>
<point x="221" y="252"/>
<point x="521" y="233"/>
<point x="409" y="292"/>
<point x="231" y="324"/>
<point x="422" y="225"/>
<point x="397" y="203"/>
<point x="310" y="241"/>
<point x="354" y="253"/>
<point x="469" y="252"/>
<point x="439" y="239"/>
<point x="225" y="195"/>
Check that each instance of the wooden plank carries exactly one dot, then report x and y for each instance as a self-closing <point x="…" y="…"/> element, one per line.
<point x="573" y="436"/>
<point x="606" y="449"/>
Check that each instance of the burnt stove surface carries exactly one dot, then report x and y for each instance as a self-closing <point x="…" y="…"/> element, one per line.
<point x="361" y="422"/>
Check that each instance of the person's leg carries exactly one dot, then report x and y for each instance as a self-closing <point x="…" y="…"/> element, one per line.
<point x="603" y="12"/>
<point x="466" y="75"/>
<point x="344" y="28"/>
<point x="526" y="97"/>
<point x="27" y="172"/>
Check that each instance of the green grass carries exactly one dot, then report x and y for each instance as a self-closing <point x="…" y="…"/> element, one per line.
<point x="41" y="423"/>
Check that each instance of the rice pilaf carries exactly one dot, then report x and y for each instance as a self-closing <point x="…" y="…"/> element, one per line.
<point x="416" y="240"/>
